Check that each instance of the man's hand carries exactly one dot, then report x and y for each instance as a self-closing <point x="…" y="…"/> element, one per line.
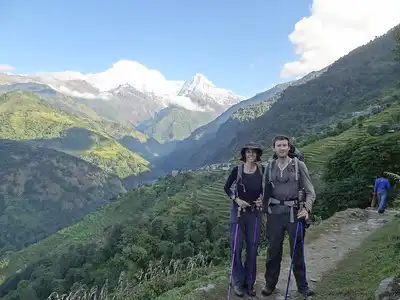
<point x="259" y="203"/>
<point x="242" y="204"/>
<point x="303" y="214"/>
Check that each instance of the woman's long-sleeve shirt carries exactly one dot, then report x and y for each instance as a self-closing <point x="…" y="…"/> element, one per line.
<point x="249" y="187"/>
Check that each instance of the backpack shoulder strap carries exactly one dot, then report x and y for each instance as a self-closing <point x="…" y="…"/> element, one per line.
<point x="238" y="177"/>
<point x="239" y="173"/>
<point x="263" y="172"/>
<point x="270" y="165"/>
<point x="298" y="173"/>
<point x="259" y="167"/>
<point x="296" y="168"/>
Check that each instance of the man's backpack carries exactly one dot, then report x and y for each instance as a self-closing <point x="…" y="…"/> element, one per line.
<point x="270" y="185"/>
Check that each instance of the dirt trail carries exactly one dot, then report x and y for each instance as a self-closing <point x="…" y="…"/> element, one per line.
<point x="325" y="252"/>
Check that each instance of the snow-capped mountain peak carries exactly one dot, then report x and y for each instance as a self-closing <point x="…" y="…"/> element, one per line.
<point x="130" y="77"/>
<point x="201" y="87"/>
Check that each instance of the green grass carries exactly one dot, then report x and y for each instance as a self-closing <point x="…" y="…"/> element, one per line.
<point x="360" y="273"/>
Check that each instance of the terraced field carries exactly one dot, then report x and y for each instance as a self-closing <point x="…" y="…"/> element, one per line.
<point x="317" y="153"/>
<point x="209" y="197"/>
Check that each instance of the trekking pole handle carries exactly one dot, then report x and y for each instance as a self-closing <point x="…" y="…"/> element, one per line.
<point x="238" y="214"/>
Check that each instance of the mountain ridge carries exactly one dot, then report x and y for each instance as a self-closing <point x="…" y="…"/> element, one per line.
<point x="134" y="74"/>
<point x="214" y="131"/>
<point x="26" y="117"/>
<point x="131" y="94"/>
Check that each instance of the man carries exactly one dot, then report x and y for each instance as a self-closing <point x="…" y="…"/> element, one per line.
<point x="286" y="178"/>
<point x="381" y="187"/>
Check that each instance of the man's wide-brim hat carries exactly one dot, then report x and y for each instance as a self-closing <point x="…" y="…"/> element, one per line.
<point x="252" y="146"/>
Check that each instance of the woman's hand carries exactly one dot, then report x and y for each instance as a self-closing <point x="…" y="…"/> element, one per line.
<point x="242" y="204"/>
<point x="259" y="203"/>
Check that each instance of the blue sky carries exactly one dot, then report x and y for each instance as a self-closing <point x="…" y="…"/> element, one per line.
<point x="238" y="46"/>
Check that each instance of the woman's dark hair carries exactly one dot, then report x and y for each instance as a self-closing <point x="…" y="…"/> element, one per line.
<point x="243" y="154"/>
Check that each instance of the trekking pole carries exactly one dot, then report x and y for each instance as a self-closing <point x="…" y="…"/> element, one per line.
<point x="291" y="261"/>
<point x="303" y="259"/>
<point x="234" y="252"/>
<point x="255" y="235"/>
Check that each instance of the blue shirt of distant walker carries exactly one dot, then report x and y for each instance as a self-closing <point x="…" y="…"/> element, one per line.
<point x="381" y="185"/>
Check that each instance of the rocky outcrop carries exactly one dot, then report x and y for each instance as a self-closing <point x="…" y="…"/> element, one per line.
<point x="389" y="289"/>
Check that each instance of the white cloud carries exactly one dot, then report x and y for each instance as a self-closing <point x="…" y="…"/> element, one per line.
<point x="336" y="27"/>
<point x="6" y="68"/>
<point x="141" y="78"/>
<point x="66" y="91"/>
<point x="123" y="72"/>
<point x="185" y="102"/>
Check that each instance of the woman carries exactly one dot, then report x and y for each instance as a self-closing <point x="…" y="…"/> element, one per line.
<point x="248" y="197"/>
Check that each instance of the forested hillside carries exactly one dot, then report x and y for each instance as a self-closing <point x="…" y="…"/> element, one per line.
<point x="171" y="219"/>
<point x="43" y="190"/>
<point x="363" y="77"/>
<point x="175" y="123"/>
<point x="224" y="128"/>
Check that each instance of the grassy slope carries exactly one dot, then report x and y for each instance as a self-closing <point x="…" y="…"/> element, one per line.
<point x="26" y="117"/>
<point x="360" y="273"/>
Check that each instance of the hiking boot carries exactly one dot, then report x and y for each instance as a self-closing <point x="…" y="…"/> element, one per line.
<point x="381" y="211"/>
<point x="309" y="292"/>
<point x="251" y="291"/>
<point x="267" y="290"/>
<point x="238" y="291"/>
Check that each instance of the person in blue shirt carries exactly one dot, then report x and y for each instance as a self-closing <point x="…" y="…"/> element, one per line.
<point x="381" y="187"/>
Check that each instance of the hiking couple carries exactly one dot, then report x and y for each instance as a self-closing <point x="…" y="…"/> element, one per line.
<point x="278" y="191"/>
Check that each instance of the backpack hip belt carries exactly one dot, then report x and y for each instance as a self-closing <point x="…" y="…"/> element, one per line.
<point x="290" y="202"/>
